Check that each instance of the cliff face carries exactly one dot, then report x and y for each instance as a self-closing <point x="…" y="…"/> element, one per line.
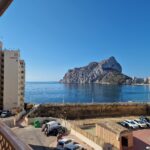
<point x="108" y="71"/>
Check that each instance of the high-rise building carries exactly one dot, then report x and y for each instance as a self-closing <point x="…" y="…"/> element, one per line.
<point x="12" y="80"/>
<point x="4" y="4"/>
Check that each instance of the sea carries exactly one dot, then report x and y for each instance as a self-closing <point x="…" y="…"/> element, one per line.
<point x="55" y="92"/>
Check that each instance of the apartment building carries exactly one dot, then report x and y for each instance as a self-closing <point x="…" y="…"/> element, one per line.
<point x="147" y="80"/>
<point x="4" y="4"/>
<point x="12" y="80"/>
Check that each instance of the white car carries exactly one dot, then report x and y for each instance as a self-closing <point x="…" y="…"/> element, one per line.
<point x="140" y="123"/>
<point x="130" y="124"/>
<point x="50" y="126"/>
<point x="72" y="146"/>
<point x="146" y="120"/>
<point x="62" y="143"/>
<point x="45" y="125"/>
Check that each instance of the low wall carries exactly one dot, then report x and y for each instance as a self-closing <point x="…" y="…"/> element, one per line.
<point x="88" y="138"/>
<point x="95" y="142"/>
<point x="11" y="121"/>
<point x="20" y="115"/>
<point x="83" y="111"/>
<point x="9" y="141"/>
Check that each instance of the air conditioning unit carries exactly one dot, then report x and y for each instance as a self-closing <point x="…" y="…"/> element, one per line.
<point x="4" y="5"/>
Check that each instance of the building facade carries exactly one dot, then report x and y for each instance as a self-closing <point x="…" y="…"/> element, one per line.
<point x="147" y="80"/>
<point x="4" y="4"/>
<point x="115" y="137"/>
<point x="138" y="80"/>
<point x="12" y="80"/>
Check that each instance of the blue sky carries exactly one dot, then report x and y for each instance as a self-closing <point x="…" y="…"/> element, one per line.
<point x="56" y="35"/>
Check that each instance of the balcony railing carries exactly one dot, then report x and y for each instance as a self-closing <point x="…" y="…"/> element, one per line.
<point x="9" y="141"/>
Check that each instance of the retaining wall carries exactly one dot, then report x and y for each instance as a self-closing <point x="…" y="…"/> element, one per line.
<point x="84" y="111"/>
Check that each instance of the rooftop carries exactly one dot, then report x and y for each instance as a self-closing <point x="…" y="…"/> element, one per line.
<point x="113" y="127"/>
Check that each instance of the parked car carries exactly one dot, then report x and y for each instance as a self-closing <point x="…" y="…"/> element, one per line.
<point x="52" y="127"/>
<point x="54" y="131"/>
<point x="62" y="143"/>
<point x="72" y="146"/>
<point x="140" y="123"/>
<point x="129" y="124"/>
<point x="123" y="123"/>
<point x="46" y="121"/>
<point x="46" y="125"/>
<point x="1" y="112"/>
<point x="5" y="114"/>
<point x="146" y="120"/>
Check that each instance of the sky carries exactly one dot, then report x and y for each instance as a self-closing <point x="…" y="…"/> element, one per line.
<point x="56" y="35"/>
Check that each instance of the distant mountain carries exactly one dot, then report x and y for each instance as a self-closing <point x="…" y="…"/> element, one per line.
<point x="108" y="71"/>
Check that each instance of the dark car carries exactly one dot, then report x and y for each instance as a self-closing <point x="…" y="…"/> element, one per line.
<point x="146" y="120"/>
<point x="5" y="114"/>
<point x="1" y="112"/>
<point x="55" y="131"/>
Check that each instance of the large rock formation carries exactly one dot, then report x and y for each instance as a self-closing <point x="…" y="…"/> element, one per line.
<point x="108" y="71"/>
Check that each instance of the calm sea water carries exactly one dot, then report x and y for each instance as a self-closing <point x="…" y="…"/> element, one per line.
<point x="54" y="92"/>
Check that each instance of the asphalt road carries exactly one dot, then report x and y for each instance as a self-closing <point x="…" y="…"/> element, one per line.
<point x="34" y="137"/>
<point x="38" y="141"/>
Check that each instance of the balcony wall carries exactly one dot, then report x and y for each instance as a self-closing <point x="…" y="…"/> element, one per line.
<point x="9" y="141"/>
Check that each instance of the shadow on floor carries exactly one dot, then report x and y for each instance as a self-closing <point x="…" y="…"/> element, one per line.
<point x="38" y="147"/>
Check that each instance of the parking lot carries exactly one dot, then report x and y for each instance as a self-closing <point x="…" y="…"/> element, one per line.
<point x="38" y="141"/>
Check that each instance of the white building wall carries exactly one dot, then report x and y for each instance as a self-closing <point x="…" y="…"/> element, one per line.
<point x="11" y="68"/>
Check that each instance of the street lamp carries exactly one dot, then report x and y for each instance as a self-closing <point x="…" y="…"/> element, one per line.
<point x="4" y="4"/>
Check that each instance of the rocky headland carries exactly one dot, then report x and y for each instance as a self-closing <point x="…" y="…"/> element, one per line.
<point x="108" y="71"/>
